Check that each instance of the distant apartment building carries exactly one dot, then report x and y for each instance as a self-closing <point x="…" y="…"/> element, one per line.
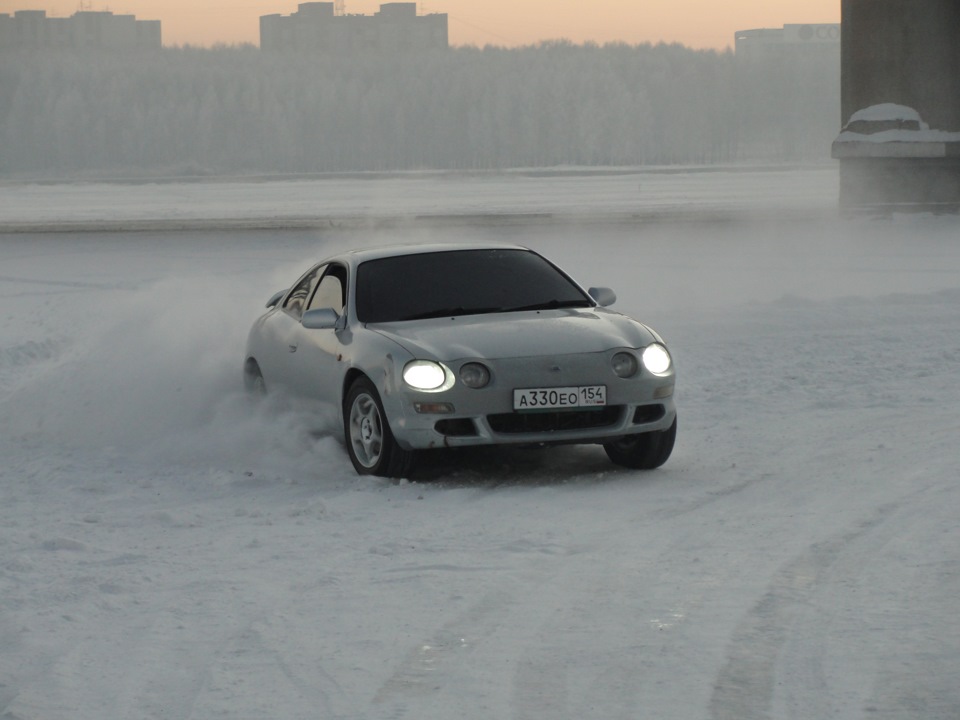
<point x="790" y="40"/>
<point x="101" y="30"/>
<point x="316" y="28"/>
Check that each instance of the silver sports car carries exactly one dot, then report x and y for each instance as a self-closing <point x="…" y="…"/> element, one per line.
<point x="432" y="346"/>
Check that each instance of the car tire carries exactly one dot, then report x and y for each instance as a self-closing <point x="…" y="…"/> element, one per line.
<point x="644" y="451"/>
<point x="253" y="381"/>
<point x="370" y="443"/>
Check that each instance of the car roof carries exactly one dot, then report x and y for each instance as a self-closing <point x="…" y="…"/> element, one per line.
<point x="362" y="255"/>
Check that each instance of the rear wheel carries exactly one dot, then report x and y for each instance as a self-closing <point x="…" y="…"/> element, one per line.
<point x="645" y="451"/>
<point x="370" y="443"/>
<point x="253" y="379"/>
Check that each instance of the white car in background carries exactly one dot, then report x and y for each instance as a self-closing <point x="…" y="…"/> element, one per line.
<point x="433" y="346"/>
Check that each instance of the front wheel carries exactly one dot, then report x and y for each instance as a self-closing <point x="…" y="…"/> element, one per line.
<point x="370" y="443"/>
<point x="645" y="451"/>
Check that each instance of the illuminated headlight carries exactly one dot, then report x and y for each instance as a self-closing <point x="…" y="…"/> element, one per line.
<point x="425" y="375"/>
<point x="625" y="364"/>
<point x="474" y="375"/>
<point x="656" y="359"/>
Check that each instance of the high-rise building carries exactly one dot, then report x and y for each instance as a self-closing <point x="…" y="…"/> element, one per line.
<point x="101" y="30"/>
<point x="790" y="40"/>
<point x="315" y="27"/>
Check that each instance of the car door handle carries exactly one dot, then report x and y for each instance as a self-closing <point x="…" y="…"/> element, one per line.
<point x="292" y="348"/>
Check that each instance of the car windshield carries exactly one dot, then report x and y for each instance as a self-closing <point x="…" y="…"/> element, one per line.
<point x="461" y="282"/>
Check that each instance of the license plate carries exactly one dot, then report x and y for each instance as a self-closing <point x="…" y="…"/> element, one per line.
<point x="560" y="398"/>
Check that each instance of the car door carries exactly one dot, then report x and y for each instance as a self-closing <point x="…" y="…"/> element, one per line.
<point x="319" y="352"/>
<point x="280" y="332"/>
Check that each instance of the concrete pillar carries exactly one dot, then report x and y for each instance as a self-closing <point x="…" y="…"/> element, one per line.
<point x="903" y="53"/>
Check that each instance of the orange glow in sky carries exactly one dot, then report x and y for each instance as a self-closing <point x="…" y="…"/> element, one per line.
<point x="695" y="23"/>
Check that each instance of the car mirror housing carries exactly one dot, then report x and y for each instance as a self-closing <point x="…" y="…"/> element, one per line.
<point x="275" y="298"/>
<point x="320" y="319"/>
<point x="603" y="295"/>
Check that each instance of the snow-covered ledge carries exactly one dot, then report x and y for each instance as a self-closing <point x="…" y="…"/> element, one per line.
<point x="893" y="131"/>
<point x="890" y="158"/>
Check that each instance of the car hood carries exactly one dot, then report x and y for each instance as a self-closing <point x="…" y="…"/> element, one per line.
<point x="520" y="334"/>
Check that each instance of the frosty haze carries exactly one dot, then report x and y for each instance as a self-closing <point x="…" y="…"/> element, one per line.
<point x="168" y="550"/>
<point x="190" y="111"/>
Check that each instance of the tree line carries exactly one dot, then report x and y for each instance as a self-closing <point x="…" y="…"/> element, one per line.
<point x="230" y="110"/>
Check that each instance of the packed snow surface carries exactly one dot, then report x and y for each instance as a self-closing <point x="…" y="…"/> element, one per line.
<point x="169" y="550"/>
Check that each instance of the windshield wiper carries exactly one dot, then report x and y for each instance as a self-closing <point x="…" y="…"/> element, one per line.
<point x="549" y="305"/>
<point x="449" y="312"/>
<point x="461" y="310"/>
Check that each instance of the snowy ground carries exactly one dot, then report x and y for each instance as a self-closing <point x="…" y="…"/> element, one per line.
<point x="416" y="199"/>
<point x="167" y="551"/>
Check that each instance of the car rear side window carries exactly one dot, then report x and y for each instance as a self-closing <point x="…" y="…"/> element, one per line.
<point x="331" y="292"/>
<point x="297" y="298"/>
<point x="460" y="282"/>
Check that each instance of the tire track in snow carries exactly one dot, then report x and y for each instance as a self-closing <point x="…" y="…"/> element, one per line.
<point x="252" y="655"/>
<point x="464" y="666"/>
<point x="420" y="675"/>
<point x="169" y="670"/>
<point x="9" y="684"/>
<point x="747" y="684"/>
<point x="31" y="352"/>
<point x="533" y="648"/>
<point x="603" y="636"/>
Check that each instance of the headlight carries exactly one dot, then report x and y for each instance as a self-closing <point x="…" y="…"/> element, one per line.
<point x="624" y="364"/>
<point x="656" y="359"/>
<point x="474" y="375"/>
<point x="425" y="375"/>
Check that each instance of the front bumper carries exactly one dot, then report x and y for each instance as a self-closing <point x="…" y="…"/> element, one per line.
<point x="643" y="403"/>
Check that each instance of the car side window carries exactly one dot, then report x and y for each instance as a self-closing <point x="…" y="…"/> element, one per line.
<point x="332" y="290"/>
<point x="297" y="298"/>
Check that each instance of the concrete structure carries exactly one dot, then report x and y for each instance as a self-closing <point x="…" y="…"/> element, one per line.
<point x="315" y="27"/>
<point x="900" y="80"/>
<point x="790" y="40"/>
<point x="33" y="30"/>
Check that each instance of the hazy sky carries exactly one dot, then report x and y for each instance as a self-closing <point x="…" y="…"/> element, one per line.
<point x="696" y="23"/>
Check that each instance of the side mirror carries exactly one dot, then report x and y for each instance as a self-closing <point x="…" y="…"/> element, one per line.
<point x="320" y="319"/>
<point x="604" y="296"/>
<point x="275" y="298"/>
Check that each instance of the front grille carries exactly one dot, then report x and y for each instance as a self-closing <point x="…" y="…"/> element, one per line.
<point x="540" y="422"/>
